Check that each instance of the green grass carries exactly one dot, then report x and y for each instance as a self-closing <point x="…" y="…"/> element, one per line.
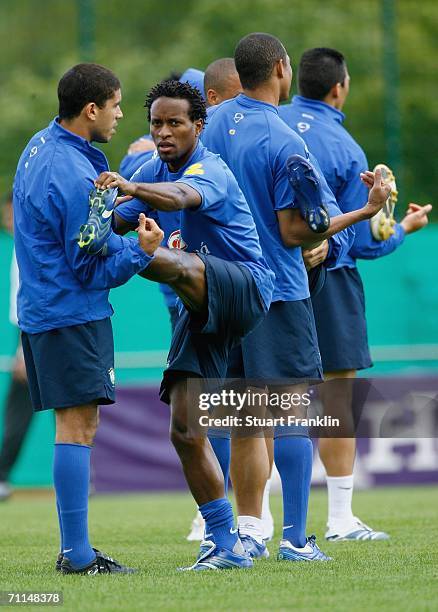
<point x="148" y="531"/>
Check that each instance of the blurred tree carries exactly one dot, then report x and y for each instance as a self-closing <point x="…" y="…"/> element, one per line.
<point x="143" y="40"/>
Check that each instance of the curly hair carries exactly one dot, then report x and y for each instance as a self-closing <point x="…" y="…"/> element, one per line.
<point x="183" y="91"/>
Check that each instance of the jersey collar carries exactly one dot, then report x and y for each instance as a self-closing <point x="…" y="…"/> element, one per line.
<point x="318" y="107"/>
<point x="197" y="154"/>
<point x="253" y="103"/>
<point x="60" y="133"/>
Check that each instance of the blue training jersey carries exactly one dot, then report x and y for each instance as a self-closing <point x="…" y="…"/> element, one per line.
<point x="60" y="284"/>
<point x="255" y="143"/>
<point x="132" y="161"/>
<point x="169" y="222"/>
<point x="341" y="160"/>
<point x="222" y="225"/>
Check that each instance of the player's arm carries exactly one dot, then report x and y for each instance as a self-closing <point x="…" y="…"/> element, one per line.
<point x="351" y="193"/>
<point x="168" y="197"/>
<point x="70" y="205"/>
<point x="295" y="232"/>
<point x="365" y="246"/>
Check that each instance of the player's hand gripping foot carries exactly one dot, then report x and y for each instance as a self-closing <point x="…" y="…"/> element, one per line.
<point x="220" y="559"/>
<point x="382" y="224"/>
<point x="94" y="234"/>
<point x="102" y="564"/>
<point x="309" y="196"/>
<point x="357" y="531"/>
<point x="310" y="552"/>
<point x="379" y="192"/>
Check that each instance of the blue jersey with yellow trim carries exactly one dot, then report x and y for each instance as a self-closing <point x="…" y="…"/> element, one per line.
<point x="169" y="222"/>
<point x="222" y="225"/>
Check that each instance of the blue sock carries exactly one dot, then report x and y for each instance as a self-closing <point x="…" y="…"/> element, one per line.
<point x="222" y="449"/>
<point x="71" y="476"/>
<point x="219" y="519"/>
<point x="293" y="456"/>
<point x="61" y="545"/>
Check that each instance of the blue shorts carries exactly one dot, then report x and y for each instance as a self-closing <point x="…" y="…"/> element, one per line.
<point x="283" y="349"/>
<point x="201" y="348"/>
<point x="173" y="316"/>
<point x="71" y="366"/>
<point x="316" y="277"/>
<point x="339" y="310"/>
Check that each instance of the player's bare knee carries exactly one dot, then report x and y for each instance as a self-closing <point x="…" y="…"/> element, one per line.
<point x="181" y="441"/>
<point x="191" y="268"/>
<point x="77" y="425"/>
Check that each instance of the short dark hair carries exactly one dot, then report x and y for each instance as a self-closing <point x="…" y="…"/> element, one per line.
<point x="217" y="73"/>
<point x="184" y="91"/>
<point x="319" y="70"/>
<point x="256" y="55"/>
<point x="82" y="84"/>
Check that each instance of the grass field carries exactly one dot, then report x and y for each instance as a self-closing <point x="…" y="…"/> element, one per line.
<point x="148" y="531"/>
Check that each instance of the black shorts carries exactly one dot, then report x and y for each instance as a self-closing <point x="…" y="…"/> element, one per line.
<point x="71" y="366"/>
<point x="234" y="309"/>
<point x="283" y="349"/>
<point x="339" y="310"/>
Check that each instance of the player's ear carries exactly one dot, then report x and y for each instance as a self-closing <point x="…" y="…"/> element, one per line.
<point x="212" y="97"/>
<point x="336" y="91"/>
<point x="90" y="111"/>
<point x="199" y="125"/>
<point x="279" y="68"/>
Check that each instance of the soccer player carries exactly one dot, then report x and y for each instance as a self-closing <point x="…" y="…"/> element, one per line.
<point x="227" y="299"/>
<point x="256" y="144"/>
<point x="141" y="151"/>
<point x="339" y="308"/>
<point x="221" y="81"/>
<point x="63" y="308"/>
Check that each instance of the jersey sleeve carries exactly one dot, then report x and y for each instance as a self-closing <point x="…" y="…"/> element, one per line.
<point x="284" y="194"/>
<point x="353" y="194"/>
<point x="70" y="208"/>
<point x="209" y="179"/>
<point x="340" y="243"/>
<point x="132" y="161"/>
<point x="365" y="246"/>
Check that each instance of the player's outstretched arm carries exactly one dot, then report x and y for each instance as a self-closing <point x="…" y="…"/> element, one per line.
<point x="295" y="231"/>
<point x="416" y="218"/>
<point x="167" y="197"/>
